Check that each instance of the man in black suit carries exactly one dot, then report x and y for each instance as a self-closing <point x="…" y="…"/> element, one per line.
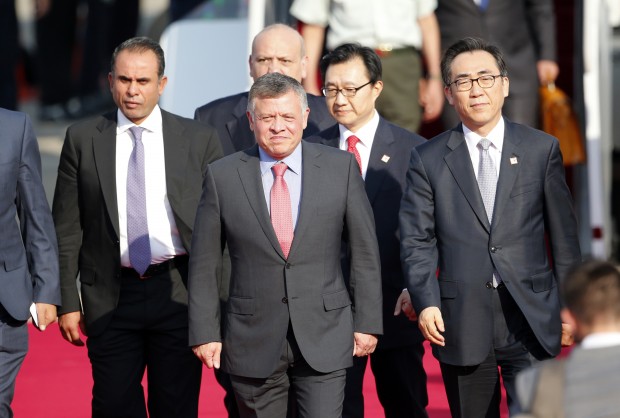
<point x="290" y="320"/>
<point x="276" y="49"/>
<point x="130" y="244"/>
<point x="352" y="75"/>
<point x="480" y="200"/>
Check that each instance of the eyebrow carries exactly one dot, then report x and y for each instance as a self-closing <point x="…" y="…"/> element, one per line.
<point x="481" y="72"/>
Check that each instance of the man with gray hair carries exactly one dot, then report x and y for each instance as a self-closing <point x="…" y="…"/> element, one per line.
<point x="282" y="207"/>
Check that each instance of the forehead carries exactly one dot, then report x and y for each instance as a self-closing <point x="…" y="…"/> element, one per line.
<point x="143" y="61"/>
<point x="286" y="103"/>
<point x="471" y="63"/>
<point x="352" y="70"/>
<point x="277" y="41"/>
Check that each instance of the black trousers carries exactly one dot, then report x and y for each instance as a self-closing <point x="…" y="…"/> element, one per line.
<point x="400" y="382"/>
<point x="474" y="391"/>
<point x="147" y="332"/>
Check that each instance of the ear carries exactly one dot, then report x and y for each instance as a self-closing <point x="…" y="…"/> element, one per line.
<point x="447" y="91"/>
<point x="377" y="88"/>
<point x="506" y="86"/>
<point x="250" y="119"/>
<point x="162" y="84"/>
<point x="304" y="66"/>
<point x="110" y="80"/>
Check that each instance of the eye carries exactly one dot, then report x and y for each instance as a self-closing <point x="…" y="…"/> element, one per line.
<point x="289" y="118"/>
<point x="350" y="91"/>
<point x="266" y="119"/>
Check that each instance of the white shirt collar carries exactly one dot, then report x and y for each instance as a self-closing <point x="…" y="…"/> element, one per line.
<point x="496" y="136"/>
<point x="153" y="123"/>
<point x="601" y="340"/>
<point x="366" y="133"/>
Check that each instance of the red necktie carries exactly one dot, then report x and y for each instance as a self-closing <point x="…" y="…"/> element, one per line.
<point x="281" y="216"/>
<point x="352" y="142"/>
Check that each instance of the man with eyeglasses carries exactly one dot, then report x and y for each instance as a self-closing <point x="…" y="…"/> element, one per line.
<point x="353" y="82"/>
<point x="481" y="203"/>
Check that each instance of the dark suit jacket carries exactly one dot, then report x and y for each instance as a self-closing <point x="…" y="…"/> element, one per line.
<point x="523" y="29"/>
<point x="86" y="213"/>
<point x="28" y="252"/>
<point x="385" y="184"/>
<point x="267" y="290"/>
<point x="443" y="223"/>
<point x="228" y="116"/>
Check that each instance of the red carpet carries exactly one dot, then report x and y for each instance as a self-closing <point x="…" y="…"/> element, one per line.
<point x="55" y="382"/>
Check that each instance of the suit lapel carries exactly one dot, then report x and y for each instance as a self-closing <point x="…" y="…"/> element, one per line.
<point x="509" y="168"/>
<point x="378" y="163"/>
<point x="104" y="149"/>
<point x="249" y="174"/>
<point x="310" y="193"/>
<point x="459" y="163"/>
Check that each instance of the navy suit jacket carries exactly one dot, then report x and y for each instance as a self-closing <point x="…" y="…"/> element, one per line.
<point x="228" y="116"/>
<point x="443" y="224"/>
<point x="385" y="184"/>
<point x="28" y="249"/>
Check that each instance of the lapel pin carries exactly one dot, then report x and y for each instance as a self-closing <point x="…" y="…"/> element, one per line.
<point x="385" y="158"/>
<point x="513" y="160"/>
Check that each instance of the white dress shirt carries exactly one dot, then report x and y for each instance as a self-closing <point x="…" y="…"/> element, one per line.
<point x="164" y="235"/>
<point x="496" y="136"/>
<point x="366" y="135"/>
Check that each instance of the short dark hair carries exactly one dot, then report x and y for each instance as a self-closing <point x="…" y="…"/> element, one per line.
<point x="592" y="289"/>
<point x="348" y="52"/>
<point x="273" y="85"/>
<point x="141" y="44"/>
<point x="470" y="45"/>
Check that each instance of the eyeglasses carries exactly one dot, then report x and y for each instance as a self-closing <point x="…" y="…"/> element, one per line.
<point x="465" y="84"/>
<point x="346" y="91"/>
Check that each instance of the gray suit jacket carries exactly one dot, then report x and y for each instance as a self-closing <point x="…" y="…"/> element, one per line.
<point x="28" y="252"/>
<point x="86" y="213"/>
<point x="443" y="224"/>
<point x="268" y="291"/>
<point x="385" y="184"/>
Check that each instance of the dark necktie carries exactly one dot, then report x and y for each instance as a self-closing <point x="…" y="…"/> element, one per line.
<point x="281" y="215"/>
<point x="137" y="225"/>
<point x="352" y="148"/>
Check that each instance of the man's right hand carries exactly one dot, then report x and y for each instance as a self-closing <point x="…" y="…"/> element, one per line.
<point x="70" y="326"/>
<point x="430" y="323"/>
<point x="209" y="354"/>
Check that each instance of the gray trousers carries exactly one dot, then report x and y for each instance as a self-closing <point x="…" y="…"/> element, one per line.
<point x="13" y="348"/>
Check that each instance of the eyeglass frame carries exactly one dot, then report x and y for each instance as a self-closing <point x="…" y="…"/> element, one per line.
<point x="324" y="90"/>
<point x="471" y="80"/>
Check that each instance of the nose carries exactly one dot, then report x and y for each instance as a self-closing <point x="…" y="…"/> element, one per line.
<point x="277" y="125"/>
<point x="132" y="89"/>
<point x="476" y="90"/>
<point x="340" y="99"/>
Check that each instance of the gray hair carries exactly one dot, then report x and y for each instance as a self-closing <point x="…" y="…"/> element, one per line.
<point x="274" y="85"/>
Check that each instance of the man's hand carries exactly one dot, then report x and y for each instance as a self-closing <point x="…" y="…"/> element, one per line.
<point x="431" y="98"/>
<point x="209" y="354"/>
<point x="568" y="338"/>
<point x="430" y="323"/>
<point x="46" y="314"/>
<point x="547" y="71"/>
<point x="403" y="304"/>
<point x="363" y="344"/>
<point x="70" y="326"/>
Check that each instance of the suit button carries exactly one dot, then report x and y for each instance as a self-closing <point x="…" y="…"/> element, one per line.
<point x="493" y="249"/>
<point x="489" y="285"/>
<point x="285" y="300"/>
<point x="288" y="265"/>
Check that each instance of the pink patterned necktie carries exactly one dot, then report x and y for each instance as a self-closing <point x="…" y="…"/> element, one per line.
<point x="352" y="148"/>
<point x="281" y="216"/>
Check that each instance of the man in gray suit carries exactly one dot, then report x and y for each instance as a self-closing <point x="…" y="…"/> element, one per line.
<point x="585" y="384"/>
<point x="480" y="201"/>
<point x="290" y="319"/>
<point x="28" y="251"/>
<point x="524" y="30"/>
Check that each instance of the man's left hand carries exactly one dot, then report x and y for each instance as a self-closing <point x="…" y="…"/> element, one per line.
<point x="363" y="344"/>
<point x="568" y="338"/>
<point x="403" y="304"/>
<point x="46" y="314"/>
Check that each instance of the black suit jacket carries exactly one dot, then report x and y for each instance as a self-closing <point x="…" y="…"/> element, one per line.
<point x="385" y="184"/>
<point x="269" y="291"/>
<point x="228" y="116"/>
<point x="523" y="29"/>
<point x="443" y="224"/>
<point x="85" y="208"/>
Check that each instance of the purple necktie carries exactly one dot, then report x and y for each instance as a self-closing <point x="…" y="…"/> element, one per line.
<point x="137" y="225"/>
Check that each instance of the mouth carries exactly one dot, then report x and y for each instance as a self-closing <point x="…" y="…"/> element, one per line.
<point x="131" y="105"/>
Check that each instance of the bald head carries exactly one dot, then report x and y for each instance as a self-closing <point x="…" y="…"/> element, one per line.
<point x="278" y="49"/>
